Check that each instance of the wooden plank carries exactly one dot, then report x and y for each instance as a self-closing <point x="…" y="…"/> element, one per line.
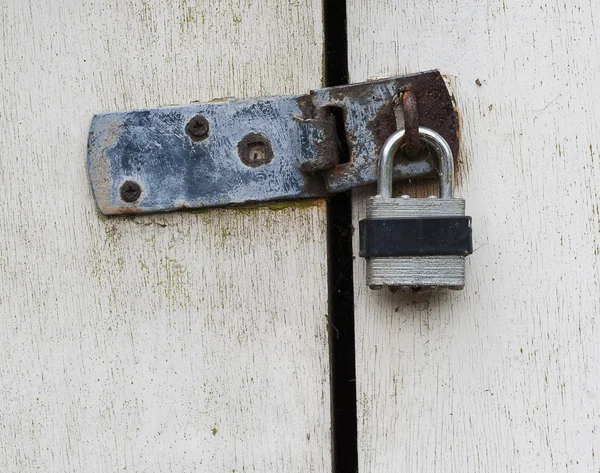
<point x="504" y="376"/>
<point x="182" y="342"/>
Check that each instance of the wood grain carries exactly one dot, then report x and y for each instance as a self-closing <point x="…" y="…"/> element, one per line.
<point x="168" y="343"/>
<point x="504" y="376"/>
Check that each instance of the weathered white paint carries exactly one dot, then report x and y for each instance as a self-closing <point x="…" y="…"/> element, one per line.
<point x="504" y="376"/>
<point x="184" y="342"/>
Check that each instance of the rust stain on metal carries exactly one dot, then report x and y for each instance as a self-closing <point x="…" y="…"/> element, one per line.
<point x="383" y="125"/>
<point x="325" y="135"/>
<point x="306" y="106"/>
<point x="314" y="185"/>
<point x="102" y="182"/>
<point x="255" y="150"/>
<point x="342" y="92"/>
<point x="435" y="110"/>
<point x="99" y="170"/>
<point x="327" y="146"/>
<point x="121" y="210"/>
<point x="411" y="124"/>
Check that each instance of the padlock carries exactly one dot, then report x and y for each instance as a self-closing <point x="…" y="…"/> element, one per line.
<point x="413" y="242"/>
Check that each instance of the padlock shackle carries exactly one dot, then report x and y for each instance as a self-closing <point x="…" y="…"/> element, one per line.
<point x="432" y="138"/>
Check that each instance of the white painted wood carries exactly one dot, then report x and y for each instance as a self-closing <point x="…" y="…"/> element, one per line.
<point x="169" y="343"/>
<point x="504" y="376"/>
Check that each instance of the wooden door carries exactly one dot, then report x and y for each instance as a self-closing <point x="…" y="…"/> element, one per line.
<point x="168" y="343"/>
<point x="198" y="341"/>
<point x="505" y="375"/>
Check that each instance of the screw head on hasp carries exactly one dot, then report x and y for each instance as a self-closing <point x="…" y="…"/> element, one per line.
<point x="130" y="191"/>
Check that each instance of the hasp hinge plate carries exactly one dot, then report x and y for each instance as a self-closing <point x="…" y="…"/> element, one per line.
<point x="272" y="148"/>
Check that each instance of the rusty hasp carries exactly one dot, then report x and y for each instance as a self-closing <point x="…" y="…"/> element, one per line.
<point x="269" y="148"/>
<point x="411" y="123"/>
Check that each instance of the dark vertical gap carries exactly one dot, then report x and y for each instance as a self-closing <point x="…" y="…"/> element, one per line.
<point x="341" y="290"/>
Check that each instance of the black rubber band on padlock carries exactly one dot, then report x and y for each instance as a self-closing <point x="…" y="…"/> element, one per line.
<point x="428" y="236"/>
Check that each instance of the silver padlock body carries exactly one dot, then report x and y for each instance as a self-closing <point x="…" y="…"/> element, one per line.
<point x="447" y="271"/>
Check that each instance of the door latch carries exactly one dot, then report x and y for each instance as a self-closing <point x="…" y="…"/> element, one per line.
<point x="272" y="148"/>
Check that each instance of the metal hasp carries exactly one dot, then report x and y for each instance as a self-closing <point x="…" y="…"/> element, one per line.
<point x="273" y="148"/>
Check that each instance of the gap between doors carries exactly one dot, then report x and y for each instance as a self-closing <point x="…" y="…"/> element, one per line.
<point x="341" y="289"/>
